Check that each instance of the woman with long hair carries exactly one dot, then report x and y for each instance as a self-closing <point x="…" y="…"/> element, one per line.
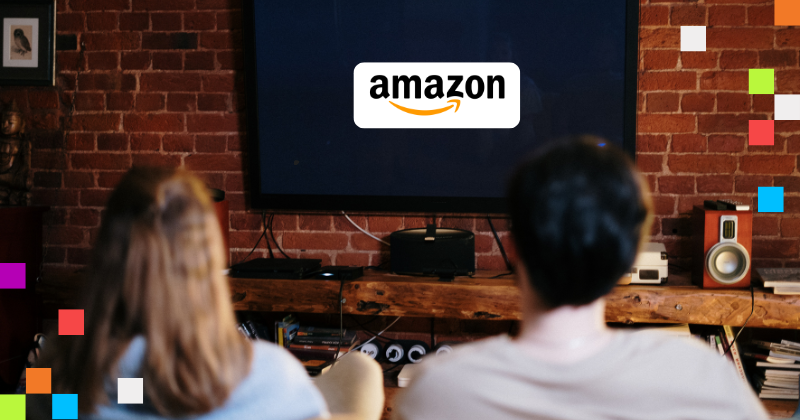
<point x="157" y="306"/>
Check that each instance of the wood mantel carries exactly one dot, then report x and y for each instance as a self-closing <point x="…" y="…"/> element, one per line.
<point x="484" y="298"/>
<point x="480" y="297"/>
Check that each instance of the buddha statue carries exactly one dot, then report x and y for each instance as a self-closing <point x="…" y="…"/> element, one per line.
<point x="15" y="158"/>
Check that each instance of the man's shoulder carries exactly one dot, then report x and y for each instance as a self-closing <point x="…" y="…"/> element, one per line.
<point x="465" y="360"/>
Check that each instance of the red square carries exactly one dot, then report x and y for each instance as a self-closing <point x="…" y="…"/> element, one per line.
<point x="70" y="322"/>
<point x="762" y="133"/>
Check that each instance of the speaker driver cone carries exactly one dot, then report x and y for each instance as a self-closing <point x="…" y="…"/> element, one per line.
<point x="727" y="262"/>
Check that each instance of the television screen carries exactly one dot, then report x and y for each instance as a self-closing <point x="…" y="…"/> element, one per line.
<point x="577" y="75"/>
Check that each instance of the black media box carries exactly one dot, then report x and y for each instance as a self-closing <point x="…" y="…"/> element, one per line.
<point x="262" y="268"/>
<point x="443" y="252"/>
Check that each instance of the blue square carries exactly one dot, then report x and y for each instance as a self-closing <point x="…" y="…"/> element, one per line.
<point x="65" y="406"/>
<point x="770" y="199"/>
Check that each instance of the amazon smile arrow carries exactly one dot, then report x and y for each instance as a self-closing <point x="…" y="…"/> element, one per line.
<point x="426" y="112"/>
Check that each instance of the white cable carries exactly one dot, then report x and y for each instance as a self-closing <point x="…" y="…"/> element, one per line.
<point x="364" y="231"/>
<point x="370" y="340"/>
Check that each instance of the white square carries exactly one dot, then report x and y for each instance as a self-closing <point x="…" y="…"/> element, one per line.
<point x="787" y="107"/>
<point x="130" y="391"/>
<point x="693" y="38"/>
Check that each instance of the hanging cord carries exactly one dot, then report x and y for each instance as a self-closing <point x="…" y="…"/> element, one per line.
<point x="266" y="239"/>
<point x="373" y="338"/>
<point x="364" y="231"/>
<point x="272" y="235"/>
<point x="502" y="248"/>
<point x="367" y="330"/>
<point x="263" y="235"/>
<point x="752" y="310"/>
<point x="341" y="324"/>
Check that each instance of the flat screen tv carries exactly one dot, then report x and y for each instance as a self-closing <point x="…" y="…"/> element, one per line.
<point x="577" y="65"/>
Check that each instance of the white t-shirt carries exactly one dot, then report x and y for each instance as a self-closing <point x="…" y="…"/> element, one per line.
<point x="637" y="376"/>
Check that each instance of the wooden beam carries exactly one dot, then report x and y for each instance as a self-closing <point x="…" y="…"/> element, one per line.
<point x="484" y="298"/>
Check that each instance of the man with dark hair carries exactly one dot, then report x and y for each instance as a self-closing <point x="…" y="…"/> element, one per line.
<point x="579" y="213"/>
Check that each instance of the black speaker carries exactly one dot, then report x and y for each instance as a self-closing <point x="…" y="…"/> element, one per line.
<point x="442" y="252"/>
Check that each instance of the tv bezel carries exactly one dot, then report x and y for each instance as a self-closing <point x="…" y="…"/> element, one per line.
<point x="404" y="204"/>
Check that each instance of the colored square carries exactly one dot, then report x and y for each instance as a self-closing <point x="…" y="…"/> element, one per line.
<point x="787" y="13"/>
<point x="770" y="199"/>
<point x="762" y="81"/>
<point x="65" y="406"/>
<point x="761" y="133"/>
<point x="12" y="407"/>
<point x="693" y="38"/>
<point x="130" y="391"/>
<point x="787" y="107"/>
<point x="37" y="380"/>
<point x="12" y="275"/>
<point x="70" y="322"/>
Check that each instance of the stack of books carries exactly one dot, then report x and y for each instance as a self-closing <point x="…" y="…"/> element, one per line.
<point x="285" y="330"/>
<point x="317" y="347"/>
<point x="779" y="370"/>
<point x="721" y="339"/>
<point x="783" y="281"/>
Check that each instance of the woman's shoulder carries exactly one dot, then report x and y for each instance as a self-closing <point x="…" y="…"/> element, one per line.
<point x="275" y="364"/>
<point x="278" y="383"/>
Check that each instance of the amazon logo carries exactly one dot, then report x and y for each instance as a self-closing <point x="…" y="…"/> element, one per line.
<point x="436" y="95"/>
<point x="474" y="87"/>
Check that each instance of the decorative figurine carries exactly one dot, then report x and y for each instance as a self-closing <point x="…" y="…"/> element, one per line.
<point x="15" y="158"/>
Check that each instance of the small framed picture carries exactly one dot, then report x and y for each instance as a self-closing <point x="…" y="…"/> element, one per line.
<point x="28" y="42"/>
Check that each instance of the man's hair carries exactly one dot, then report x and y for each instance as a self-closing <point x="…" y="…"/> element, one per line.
<point x="579" y="212"/>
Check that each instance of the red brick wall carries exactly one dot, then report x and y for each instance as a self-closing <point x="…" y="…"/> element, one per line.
<point x="160" y="82"/>
<point x="693" y="120"/>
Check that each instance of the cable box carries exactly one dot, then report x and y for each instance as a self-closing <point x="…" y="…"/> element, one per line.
<point x="264" y="268"/>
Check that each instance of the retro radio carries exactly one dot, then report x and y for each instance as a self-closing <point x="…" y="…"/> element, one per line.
<point x="723" y="238"/>
<point x="650" y="266"/>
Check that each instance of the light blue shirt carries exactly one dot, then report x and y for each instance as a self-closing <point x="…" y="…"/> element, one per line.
<point x="277" y="388"/>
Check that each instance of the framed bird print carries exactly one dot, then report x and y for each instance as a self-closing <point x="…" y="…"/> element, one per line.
<point x="28" y="42"/>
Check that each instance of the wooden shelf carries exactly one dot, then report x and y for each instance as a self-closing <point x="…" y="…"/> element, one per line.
<point x="780" y="409"/>
<point x="481" y="297"/>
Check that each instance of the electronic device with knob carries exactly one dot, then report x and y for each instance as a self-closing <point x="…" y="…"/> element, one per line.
<point x="417" y="351"/>
<point x="723" y="242"/>
<point x="372" y="349"/>
<point x="395" y="352"/>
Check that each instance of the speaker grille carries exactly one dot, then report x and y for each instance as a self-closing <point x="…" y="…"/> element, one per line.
<point x="727" y="262"/>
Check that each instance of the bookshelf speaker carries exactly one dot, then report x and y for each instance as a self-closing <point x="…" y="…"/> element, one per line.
<point x="723" y="243"/>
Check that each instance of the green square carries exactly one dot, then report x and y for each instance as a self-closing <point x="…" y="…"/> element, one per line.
<point x="762" y="81"/>
<point x="12" y="406"/>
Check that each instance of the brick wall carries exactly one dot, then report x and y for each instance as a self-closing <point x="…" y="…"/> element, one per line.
<point x="694" y="109"/>
<point x="160" y="82"/>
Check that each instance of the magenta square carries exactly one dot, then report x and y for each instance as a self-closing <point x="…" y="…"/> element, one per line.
<point x="12" y="275"/>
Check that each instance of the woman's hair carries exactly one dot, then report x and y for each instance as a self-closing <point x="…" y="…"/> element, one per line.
<point x="156" y="271"/>
<point x="579" y="212"/>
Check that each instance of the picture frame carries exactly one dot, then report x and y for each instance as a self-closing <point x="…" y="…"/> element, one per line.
<point x="27" y="42"/>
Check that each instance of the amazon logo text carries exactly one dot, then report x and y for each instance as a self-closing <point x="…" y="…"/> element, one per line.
<point x="436" y="95"/>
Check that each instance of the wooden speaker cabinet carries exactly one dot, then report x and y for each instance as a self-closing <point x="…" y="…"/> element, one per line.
<point x="722" y="248"/>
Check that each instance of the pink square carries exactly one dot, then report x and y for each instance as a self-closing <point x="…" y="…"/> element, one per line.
<point x="70" y="322"/>
<point x="762" y="133"/>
